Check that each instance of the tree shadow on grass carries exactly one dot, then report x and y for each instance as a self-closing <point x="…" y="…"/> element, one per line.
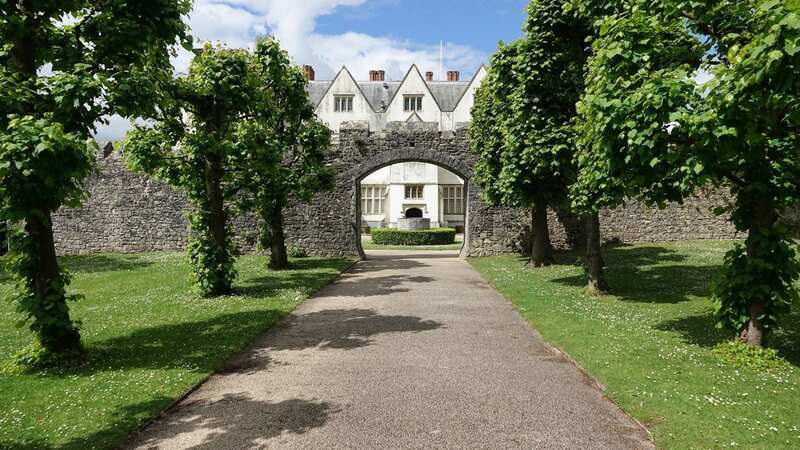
<point x="103" y="263"/>
<point x="698" y="329"/>
<point x="304" y="276"/>
<point x="204" y="346"/>
<point x="234" y="421"/>
<point x="124" y="420"/>
<point x="701" y="330"/>
<point x="641" y="274"/>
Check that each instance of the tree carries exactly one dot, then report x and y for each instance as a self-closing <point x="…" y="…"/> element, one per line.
<point x="299" y="140"/>
<point x="651" y="130"/>
<point x="522" y="127"/>
<point x="302" y="174"/>
<point x="65" y="66"/>
<point x="206" y="138"/>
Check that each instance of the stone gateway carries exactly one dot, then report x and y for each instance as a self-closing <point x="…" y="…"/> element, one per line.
<point x="376" y="124"/>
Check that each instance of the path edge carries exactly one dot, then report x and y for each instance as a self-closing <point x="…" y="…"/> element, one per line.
<point x="588" y="377"/>
<point x="172" y="405"/>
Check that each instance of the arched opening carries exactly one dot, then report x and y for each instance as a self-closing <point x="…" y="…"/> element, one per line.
<point x="389" y="193"/>
<point x="413" y="213"/>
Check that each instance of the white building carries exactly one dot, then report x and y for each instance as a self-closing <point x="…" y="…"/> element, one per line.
<point x="405" y="189"/>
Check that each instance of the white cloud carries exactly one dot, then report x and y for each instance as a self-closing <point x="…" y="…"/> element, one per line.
<point x="237" y="23"/>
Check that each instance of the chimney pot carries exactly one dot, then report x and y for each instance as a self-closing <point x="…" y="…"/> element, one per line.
<point x="428" y="76"/>
<point x="377" y="75"/>
<point x="453" y="75"/>
<point x="308" y="71"/>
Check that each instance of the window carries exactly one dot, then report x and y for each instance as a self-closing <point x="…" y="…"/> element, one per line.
<point x="414" y="191"/>
<point x="412" y="103"/>
<point x="343" y="103"/>
<point x="453" y="200"/>
<point x="372" y="200"/>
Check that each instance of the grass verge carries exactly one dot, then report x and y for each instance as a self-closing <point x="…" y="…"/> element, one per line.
<point x="150" y="338"/>
<point x="654" y="345"/>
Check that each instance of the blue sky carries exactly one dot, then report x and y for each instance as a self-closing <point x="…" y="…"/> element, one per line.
<point x="366" y="34"/>
<point x="474" y="23"/>
<point x="361" y="34"/>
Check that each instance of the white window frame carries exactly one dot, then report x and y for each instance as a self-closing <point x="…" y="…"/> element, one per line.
<point x="373" y="200"/>
<point x="453" y="200"/>
<point x="412" y="103"/>
<point x="411" y="191"/>
<point x="343" y="103"/>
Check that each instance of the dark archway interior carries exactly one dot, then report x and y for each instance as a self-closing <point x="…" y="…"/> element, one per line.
<point x="414" y="213"/>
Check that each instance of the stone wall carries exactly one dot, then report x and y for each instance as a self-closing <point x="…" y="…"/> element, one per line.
<point x="127" y="212"/>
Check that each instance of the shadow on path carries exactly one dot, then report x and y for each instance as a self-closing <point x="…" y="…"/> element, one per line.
<point x="375" y="286"/>
<point x="238" y="421"/>
<point x="344" y="329"/>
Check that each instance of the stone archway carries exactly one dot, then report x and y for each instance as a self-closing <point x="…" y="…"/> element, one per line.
<point x="324" y="226"/>
<point x="458" y="163"/>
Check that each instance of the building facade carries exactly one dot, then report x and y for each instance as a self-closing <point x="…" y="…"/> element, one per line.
<point x="409" y="189"/>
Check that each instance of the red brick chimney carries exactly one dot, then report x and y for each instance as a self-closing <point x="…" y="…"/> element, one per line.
<point x="428" y="76"/>
<point x="453" y="75"/>
<point x="377" y="75"/>
<point x="308" y="71"/>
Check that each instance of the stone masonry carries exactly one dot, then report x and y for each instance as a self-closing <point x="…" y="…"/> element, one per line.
<point x="127" y="212"/>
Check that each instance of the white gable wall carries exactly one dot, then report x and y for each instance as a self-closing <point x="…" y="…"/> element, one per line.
<point x="414" y="84"/>
<point x="463" y="111"/>
<point x="344" y="84"/>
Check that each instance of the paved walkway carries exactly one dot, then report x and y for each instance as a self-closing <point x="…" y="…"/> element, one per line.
<point x="405" y="351"/>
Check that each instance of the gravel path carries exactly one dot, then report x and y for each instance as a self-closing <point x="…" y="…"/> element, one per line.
<point x="404" y="351"/>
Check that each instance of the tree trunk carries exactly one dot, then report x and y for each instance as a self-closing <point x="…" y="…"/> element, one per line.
<point x="218" y="230"/>
<point x="57" y="333"/>
<point x="4" y="238"/>
<point x="278" y="259"/>
<point x="541" y="249"/>
<point x="594" y="259"/>
<point x="762" y="221"/>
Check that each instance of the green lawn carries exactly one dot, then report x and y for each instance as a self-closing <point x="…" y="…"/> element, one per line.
<point x="651" y="342"/>
<point x="366" y="244"/>
<point x="150" y="338"/>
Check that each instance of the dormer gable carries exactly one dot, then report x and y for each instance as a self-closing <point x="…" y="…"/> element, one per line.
<point x="467" y="100"/>
<point x="413" y="97"/>
<point x="343" y="85"/>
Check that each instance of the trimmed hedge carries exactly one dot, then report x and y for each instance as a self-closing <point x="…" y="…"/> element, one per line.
<point x="393" y="236"/>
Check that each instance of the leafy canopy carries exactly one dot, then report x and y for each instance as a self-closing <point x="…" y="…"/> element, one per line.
<point x="648" y="129"/>
<point x="65" y="65"/>
<point x="522" y="120"/>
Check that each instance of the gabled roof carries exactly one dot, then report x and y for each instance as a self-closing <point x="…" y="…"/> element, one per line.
<point x="317" y="90"/>
<point x="342" y="72"/>
<point x="380" y="94"/>
<point x="448" y="93"/>
<point x="482" y="68"/>
<point x="415" y="68"/>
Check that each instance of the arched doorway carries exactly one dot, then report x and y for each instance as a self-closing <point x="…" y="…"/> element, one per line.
<point x="460" y="169"/>
<point x="413" y="213"/>
<point x="330" y="224"/>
